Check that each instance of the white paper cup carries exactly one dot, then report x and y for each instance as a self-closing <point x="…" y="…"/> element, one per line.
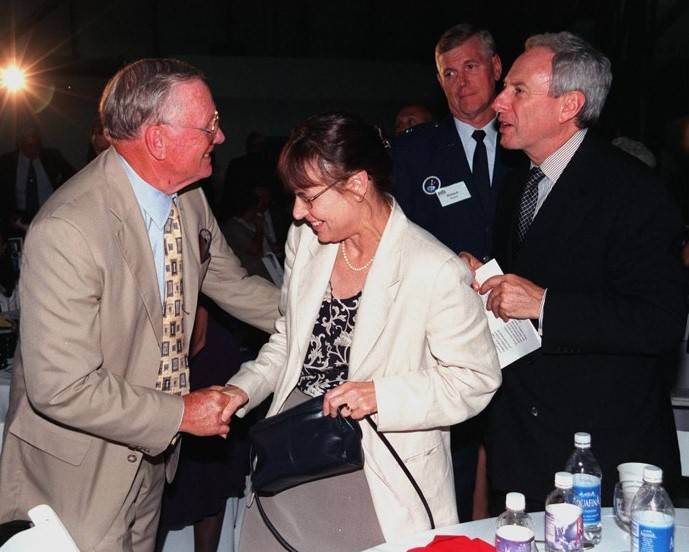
<point x="631" y="471"/>
<point x="513" y="538"/>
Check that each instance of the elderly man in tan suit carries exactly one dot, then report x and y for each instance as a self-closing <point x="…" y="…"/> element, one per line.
<point x="112" y="268"/>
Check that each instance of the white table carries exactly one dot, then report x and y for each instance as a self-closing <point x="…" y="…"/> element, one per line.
<point x="614" y="538"/>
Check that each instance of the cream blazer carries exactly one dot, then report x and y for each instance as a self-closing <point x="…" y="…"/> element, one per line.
<point x="83" y="407"/>
<point x="421" y="335"/>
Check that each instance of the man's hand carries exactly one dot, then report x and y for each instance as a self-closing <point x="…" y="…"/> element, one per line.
<point x="357" y="399"/>
<point x="203" y="412"/>
<point x="512" y="296"/>
<point x="236" y="399"/>
<point x="474" y="264"/>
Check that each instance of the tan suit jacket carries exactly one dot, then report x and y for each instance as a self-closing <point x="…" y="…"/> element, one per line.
<point x="83" y="409"/>
<point x="421" y="335"/>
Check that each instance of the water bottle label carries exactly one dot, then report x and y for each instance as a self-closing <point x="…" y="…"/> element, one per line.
<point x="564" y="528"/>
<point x="652" y="532"/>
<point x="587" y="497"/>
<point x="513" y="538"/>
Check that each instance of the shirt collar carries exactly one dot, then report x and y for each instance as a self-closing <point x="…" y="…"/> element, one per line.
<point x="556" y="162"/>
<point x="155" y="203"/>
<point x="465" y="132"/>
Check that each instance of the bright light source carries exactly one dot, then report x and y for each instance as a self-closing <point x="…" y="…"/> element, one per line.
<point x="12" y="78"/>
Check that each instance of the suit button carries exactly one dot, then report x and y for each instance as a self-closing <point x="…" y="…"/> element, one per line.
<point x="131" y="458"/>
<point x="534" y="411"/>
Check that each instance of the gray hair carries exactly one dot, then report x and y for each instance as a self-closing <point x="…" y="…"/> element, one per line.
<point x="138" y="94"/>
<point x="577" y="66"/>
<point x="459" y="34"/>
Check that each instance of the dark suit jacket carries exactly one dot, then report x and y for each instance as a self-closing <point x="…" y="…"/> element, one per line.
<point x="435" y="149"/>
<point x="56" y="167"/>
<point x="603" y="244"/>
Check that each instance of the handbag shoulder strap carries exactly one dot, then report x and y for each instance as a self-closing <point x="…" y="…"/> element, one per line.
<point x="287" y="546"/>
<point x="404" y="468"/>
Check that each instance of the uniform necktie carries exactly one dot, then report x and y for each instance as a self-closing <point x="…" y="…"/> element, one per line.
<point x="31" y="202"/>
<point x="479" y="165"/>
<point x="527" y="207"/>
<point x="173" y="374"/>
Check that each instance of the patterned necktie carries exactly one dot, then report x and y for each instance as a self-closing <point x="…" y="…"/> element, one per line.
<point x="479" y="164"/>
<point x="527" y="207"/>
<point x="31" y="202"/>
<point x="173" y="374"/>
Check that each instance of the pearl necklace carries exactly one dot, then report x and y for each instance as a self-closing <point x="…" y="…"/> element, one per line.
<point x="350" y="265"/>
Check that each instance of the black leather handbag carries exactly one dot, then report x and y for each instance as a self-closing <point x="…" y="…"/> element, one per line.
<point x="300" y="445"/>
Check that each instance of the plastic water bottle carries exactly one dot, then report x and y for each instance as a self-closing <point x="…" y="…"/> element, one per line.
<point x="564" y="527"/>
<point x="587" y="481"/>
<point x="514" y="528"/>
<point x="653" y="517"/>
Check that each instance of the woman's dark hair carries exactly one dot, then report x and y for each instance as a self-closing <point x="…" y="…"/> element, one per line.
<point x="337" y="145"/>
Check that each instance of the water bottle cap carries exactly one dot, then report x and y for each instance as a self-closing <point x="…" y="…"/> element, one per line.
<point x="563" y="480"/>
<point x="653" y="474"/>
<point x="515" y="501"/>
<point x="582" y="439"/>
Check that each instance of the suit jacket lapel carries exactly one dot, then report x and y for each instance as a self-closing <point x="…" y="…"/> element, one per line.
<point x="380" y="290"/>
<point x="191" y="256"/>
<point x="563" y="210"/>
<point x="315" y="267"/>
<point x="133" y="240"/>
<point x="450" y="154"/>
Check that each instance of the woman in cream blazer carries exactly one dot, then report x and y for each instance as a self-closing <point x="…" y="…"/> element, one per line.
<point x="421" y="356"/>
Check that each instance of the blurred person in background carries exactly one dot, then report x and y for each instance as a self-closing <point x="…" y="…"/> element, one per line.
<point x="28" y="176"/>
<point x="410" y="116"/>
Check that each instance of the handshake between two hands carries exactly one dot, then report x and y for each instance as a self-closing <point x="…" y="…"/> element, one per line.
<point x="208" y="411"/>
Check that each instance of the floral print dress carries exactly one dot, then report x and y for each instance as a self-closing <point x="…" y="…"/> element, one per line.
<point x="327" y="359"/>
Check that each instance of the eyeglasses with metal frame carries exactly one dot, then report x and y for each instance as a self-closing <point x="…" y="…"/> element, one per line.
<point x="212" y="132"/>
<point x="308" y="200"/>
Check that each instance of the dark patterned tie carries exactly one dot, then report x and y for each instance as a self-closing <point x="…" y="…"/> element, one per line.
<point x="173" y="374"/>
<point x="31" y="203"/>
<point x="527" y="207"/>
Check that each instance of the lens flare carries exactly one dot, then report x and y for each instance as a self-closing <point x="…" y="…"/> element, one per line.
<point x="12" y="78"/>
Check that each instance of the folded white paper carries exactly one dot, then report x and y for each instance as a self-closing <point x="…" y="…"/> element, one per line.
<point x="513" y="339"/>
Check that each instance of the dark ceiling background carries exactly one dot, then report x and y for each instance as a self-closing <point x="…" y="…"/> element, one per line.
<point x="647" y="40"/>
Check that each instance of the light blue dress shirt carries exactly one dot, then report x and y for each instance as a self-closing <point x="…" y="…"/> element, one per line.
<point x="490" y="140"/>
<point x="155" y="207"/>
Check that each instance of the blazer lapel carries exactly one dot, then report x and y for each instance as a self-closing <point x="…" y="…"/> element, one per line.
<point x="563" y="211"/>
<point x="380" y="290"/>
<point x="133" y="240"/>
<point x="314" y="272"/>
<point x="191" y="258"/>
<point x="450" y="154"/>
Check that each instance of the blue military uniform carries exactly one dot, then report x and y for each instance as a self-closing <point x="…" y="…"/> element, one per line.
<point x="431" y="157"/>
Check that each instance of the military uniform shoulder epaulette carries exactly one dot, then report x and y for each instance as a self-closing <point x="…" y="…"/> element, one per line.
<point x="420" y="128"/>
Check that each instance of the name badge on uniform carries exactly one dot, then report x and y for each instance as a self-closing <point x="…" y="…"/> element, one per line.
<point x="430" y="185"/>
<point x="453" y="193"/>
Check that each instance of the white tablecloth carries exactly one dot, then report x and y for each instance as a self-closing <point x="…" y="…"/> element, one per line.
<point x="614" y="538"/>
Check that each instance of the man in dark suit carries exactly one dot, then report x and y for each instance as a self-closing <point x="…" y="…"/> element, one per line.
<point x="588" y="241"/>
<point x="447" y="178"/>
<point x="448" y="173"/>
<point x="28" y="176"/>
